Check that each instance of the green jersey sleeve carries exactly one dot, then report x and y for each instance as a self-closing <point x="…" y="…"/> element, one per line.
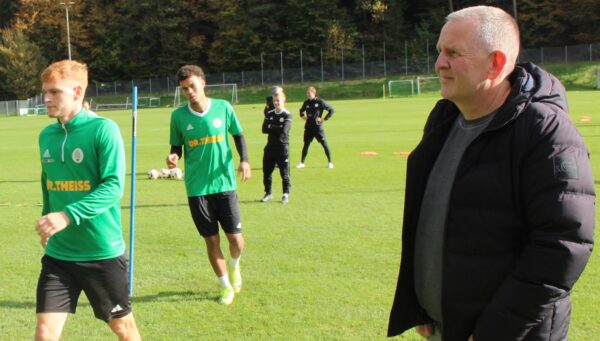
<point x="234" y="127"/>
<point x="45" y="200"/>
<point x="176" y="138"/>
<point x="111" y="161"/>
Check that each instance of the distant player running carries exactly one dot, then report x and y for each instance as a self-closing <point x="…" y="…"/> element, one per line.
<point x="313" y="128"/>
<point x="83" y="175"/>
<point x="277" y="125"/>
<point x="201" y="127"/>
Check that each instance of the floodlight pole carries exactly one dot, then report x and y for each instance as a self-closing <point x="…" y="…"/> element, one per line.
<point x="67" y="5"/>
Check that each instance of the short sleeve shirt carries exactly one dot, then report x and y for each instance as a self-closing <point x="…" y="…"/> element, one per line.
<point x="209" y="166"/>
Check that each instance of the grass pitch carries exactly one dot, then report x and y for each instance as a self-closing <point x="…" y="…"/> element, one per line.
<point x="322" y="267"/>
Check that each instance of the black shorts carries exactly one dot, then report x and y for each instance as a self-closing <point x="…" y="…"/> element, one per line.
<point x="105" y="283"/>
<point x="312" y="133"/>
<point x="210" y="210"/>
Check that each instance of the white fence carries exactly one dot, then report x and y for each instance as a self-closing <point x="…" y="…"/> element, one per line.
<point x="293" y="67"/>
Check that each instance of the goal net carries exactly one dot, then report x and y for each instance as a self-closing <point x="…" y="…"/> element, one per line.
<point x="148" y="102"/>
<point x="221" y="91"/>
<point x="428" y="85"/>
<point x="401" y="88"/>
<point x="113" y="106"/>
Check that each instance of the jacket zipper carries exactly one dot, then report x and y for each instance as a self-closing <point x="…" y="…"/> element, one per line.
<point x="62" y="157"/>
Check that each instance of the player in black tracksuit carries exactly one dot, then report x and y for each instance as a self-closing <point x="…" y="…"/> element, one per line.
<point x="277" y="125"/>
<point x="314" y="108"/>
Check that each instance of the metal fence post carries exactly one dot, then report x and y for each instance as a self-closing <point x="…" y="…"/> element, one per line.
<point x="281" y="62"/>
<point x="363" y="60"/>
<point x="301" y="68"/>
<point x="405" y="58"/>
<point x="321" y="64"/>
<point x="342" y="63"/>
<point x="262" y="70"/>
<point x="427" y="42"/>
<point x="384" y="61"/>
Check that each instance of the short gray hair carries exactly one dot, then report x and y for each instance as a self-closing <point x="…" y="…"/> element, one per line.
<point x="276" y="90"/>
<point x="497" y="29"/>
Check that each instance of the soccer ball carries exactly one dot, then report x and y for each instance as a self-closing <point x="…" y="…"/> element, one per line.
<point x="164" y="173"/>
<point x="153" y="174"/>
<point x="176" y="173"/>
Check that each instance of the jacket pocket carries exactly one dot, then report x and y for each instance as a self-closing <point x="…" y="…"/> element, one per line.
<point x="555" y="326"/>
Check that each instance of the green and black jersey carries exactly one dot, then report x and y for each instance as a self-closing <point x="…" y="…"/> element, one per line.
<point x="209" y="166"/>
<point x="83" y="175"/>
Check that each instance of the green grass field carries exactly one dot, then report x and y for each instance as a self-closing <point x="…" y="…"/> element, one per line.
<point x="322" y="267"/>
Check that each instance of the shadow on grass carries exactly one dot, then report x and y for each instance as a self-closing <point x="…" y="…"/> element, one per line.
<point x="175" y="296"/>
<point x="18" y="304"/>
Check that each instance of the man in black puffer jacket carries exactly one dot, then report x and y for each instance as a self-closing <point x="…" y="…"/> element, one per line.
<point x="499" y="209"/>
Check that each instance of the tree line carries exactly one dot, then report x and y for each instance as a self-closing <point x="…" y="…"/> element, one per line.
<point x="128" y="39"/>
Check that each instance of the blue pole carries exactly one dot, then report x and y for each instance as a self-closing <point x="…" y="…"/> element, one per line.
<point x="134" y="102"/>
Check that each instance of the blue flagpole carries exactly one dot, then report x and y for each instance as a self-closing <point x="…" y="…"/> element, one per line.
<point x="134" y="97"/>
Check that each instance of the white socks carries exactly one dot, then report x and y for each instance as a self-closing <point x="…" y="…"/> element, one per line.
<point x="224" y="280"/>
<point x="234" y="262"/>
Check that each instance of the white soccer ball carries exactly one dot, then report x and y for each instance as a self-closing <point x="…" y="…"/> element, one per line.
<point x="164" y="173"/>
<point x="176" y="173"/>
<point x="153" y="174"/>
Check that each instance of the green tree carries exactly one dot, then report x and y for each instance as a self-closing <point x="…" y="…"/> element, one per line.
<point x="21" y="63"/>
<point x="7" y="11"/>
<point x="543" y="23"/>
<point x="45" y="24"/>
<point x="584" y="22"/>
<point x="248" y="28"/>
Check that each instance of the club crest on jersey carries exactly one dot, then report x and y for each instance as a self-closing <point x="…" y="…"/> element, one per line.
<point x="77" y="155"/>
<point x="281" y="119"/>
<point x="217" y="123"/>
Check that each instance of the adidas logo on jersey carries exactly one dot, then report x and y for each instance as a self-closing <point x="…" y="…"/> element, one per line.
<point x="46" y="157"/>
<point x="189" y="127"/>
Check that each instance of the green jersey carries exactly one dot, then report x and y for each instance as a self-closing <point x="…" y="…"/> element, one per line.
<point x="209" y="166"/>
<point x="83" y="174"/>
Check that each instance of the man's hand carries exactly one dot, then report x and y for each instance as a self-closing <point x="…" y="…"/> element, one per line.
<point x="320" y="120"/>
<point x="425" y="330"/>
<point x="50" y="224"/>
<point x="304" y="118"/>
<point x="172" y="160"/>
<point x="244" y="171"/>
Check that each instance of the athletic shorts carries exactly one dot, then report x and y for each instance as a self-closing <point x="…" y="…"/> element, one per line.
<point x="104" y="282"/>
<point x="208" y="211"/>
<point x="312" y="133"/>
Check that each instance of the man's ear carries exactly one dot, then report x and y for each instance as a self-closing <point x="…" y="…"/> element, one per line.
<point x="79" y="93"/>
<point x="498" y="63"/>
